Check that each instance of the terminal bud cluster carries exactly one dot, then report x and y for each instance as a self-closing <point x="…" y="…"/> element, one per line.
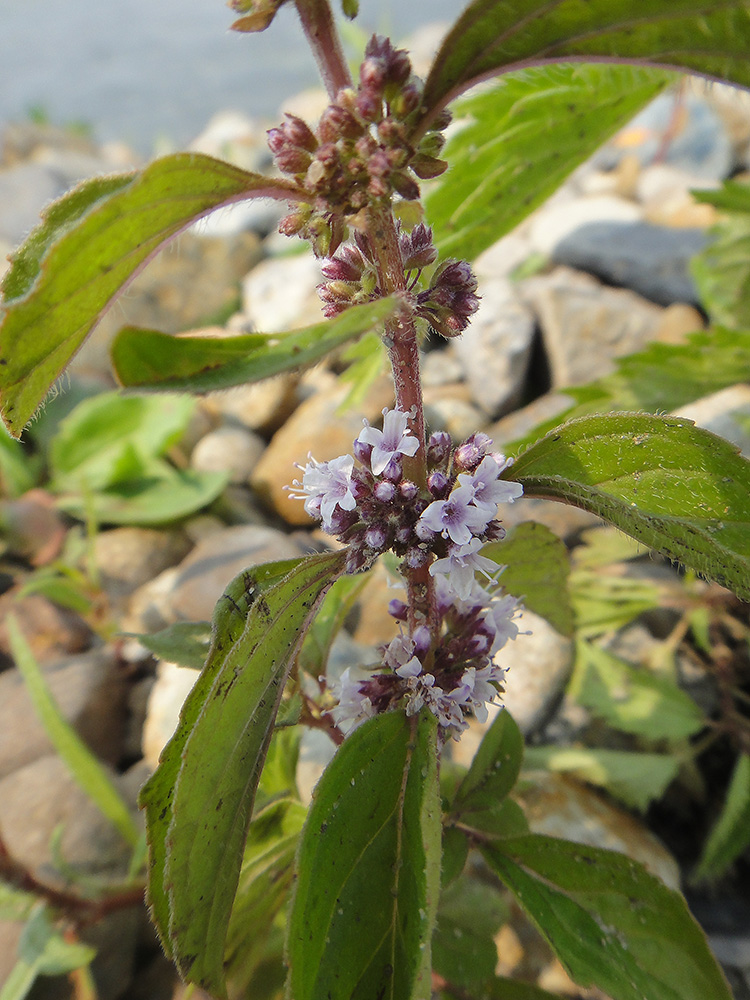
<point x="368" y="502"/>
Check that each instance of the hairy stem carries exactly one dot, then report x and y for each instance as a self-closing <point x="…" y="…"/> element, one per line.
<point x="320" y="31"/>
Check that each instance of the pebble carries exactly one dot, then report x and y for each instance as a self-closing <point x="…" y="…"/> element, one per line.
<point x="279" y="294"/>
<point x="50" y="630"/>
<point x="233" y="450"/>
<point x="90" y="693"/>
<point x="653" y="261"/>
<point x="172" y="686"/>
<point x="556" y="222"/>
<point x="726" y="413"/>
<point x="495" y="350"/>
<point x="127" y="558"/>
<point x="261" y="407"/>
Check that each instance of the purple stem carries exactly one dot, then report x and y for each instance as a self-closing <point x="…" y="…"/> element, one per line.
<point x="320" y="31"/>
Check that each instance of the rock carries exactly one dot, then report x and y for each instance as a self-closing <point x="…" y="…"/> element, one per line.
<point x="129" y="557"/>
<point x="440" y="368"/>
<point x="558" y="806"/>
<point x="172" y="686"/>
<point x="725" y="413"/>
<point x="51" y="631"/>
<point x="651" y="260"/>
<point x="662" y="181"/>
<point x="316" y="426"/>
<point x="374" y="626"/>
<point x="43" y="795"/>
<point x="677" y="321"/>
<point x="262" y="407"/>
<point x="32" y="527"/>
<point x="279" y="294"/>
<point x="679" y="129"/>
<point x="585" y="325"/>
<point x="90" y="692"/>
<point x="22" y="140"/>
<point x="233" y="136"/>
<point x="566" y="521"/>
<point x="202" y="577"/>
<point x="502" y="258"/>
<point x="448" y="409"/>
<point x="496" y="348"/>
<point x="521" y="422"/>
<point x="234" y="450"/>
<point x="24" y="190"/>
<point x="150" y="608"/>
<point x="556" y="221"/>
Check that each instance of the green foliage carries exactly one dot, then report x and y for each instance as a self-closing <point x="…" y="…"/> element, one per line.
<point x="364" y="905"/>
<point x="722" y="272"/>
<point x="186" y="643"/>
<point x="521" y="139"/>
<point x="106" y="461"/>
<point x="678" y="489"/>
<point x="88" y="246"/>
<point x="469" y="916"/>
<point x="731" y="832"/>
<point x="210" y="769"/>
<point x="492" y="37"/>
<point x="42" y="951"/>
<point x="608" y="920"/>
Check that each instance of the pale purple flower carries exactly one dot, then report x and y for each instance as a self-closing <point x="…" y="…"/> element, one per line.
<point x="487" y="490"/>
<point x="354" y="706"/>
<point x="394" y="439"/>
<point x="325" y="486"/>
<point x="477" y="689"/>
<point x="460" y="565"/>
<point x="398" y="652"/>
<point x="456" y="518"/>
<point x="412" y="668"/>
<point x="499" y="619"/>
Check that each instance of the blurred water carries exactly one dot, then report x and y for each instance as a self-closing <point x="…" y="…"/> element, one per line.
<point x="142" y="70"/>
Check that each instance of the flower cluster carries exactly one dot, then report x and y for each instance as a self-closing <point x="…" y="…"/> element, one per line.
<point x="447" y="303"/>
<point x="361" y="153"/>
<point x="372" y="506"/>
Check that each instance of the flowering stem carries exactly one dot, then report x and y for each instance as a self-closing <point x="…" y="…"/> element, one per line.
<point x="321" y="34"/>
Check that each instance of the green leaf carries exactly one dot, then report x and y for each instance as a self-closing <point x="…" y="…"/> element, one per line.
<point x="199" y="801"/>
<point x="605" y="602"/>
<point x="722" y="271"/>
<point x="42" y="951"/>
<point x="492" y="36"/>
<point x="147" y="359"/>
<point x="336" y="605"/>
<point x="537" y="571"/>
<point x="88" y="246"/>
<point x="637" y="779"/>
<point x="494" y="769"/>
<point x="610" y="923"/>
<point x="463" y="946"/>
<point x="104" y="437"/>
<point x="632" y="699"/>
<point x="18" y="471"/>
<point x="523" y="136"/>
<point x="731" y="833"/>
<point x="367" y="362"/>
<point x="84" y="767"/>
<point x="676" y="488"/>
<point x="455" y="853"/>
<point x="185" y="643"/>
<point x="14" y="903"/>
<point x="369" y="868"/>
<point x="264" y="886"/>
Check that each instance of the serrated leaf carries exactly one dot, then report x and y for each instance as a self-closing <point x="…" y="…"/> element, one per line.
<point x="637" y="779"/>
<point x="610" y="923"/>
<point x="148" y="359"/>
<point x="492" y="36"/>
<point x="731" y="833"/>
<point x="369" y="868"/>
<point x="722" y="271"/>
<point x="463" y="946"/>
<point x="537" y="571"/>
<point x="522" y="138"/>
<point x="185" y="643"/>
<point x="88" y="246"/>
<point x="83" y="766"/>
<point x="199" y="801"/>
<point x="632" y="699"/>
<point x="676" y="488"/>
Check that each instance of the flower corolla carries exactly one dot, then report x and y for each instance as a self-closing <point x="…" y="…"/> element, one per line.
<point x="395" y="439"/>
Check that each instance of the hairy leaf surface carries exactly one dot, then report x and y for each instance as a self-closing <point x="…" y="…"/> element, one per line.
<point x="495" y="36"/>
<point x="148" y="359"/>
<point x="522" y="138"/>
<point x="676" y="488"/>
<point x="610" y="923"/>
<point x="198" y="802"/>
<point x="369" y="868"/>
<point x="89" y="245"/>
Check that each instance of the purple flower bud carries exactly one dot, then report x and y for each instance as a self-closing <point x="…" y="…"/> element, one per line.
<point x="416" y="557"/>
<point x="439" y="485"/>
<point x="408" y="490"/>
<point x="376" y="537"/>
<point x="393" y="471"/>
<point x="384" y="491"/>
<point x="422" y="641"/>
<point x="442" y="121"/>
<point x="470" y="453"/>
<point x="291" y="160"/>
<point x="355" y="560"/>
<point x="398" y="610"/>
<point x="408" y="100"/>
<point x="341" y="269"/>
<point x="439" y="449"/>
<point x="362" y="452"/>
<point x="372" y="76"/>
<point x="338" y="123"/>
<point x="298" y="133"/>
<point x="369" y="105"/>
<point x="404" y="534"/>
<point x="417" y="248"/>
<point x="423" y="532"/>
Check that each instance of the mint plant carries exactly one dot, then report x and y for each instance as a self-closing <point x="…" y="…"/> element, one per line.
<point x="363" y="882"/>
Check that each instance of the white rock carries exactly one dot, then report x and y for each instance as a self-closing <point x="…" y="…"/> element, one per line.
<point x="552" y="223"/>
<point x="228" y="449"/>
<point x="724" y="413"/>
<point x="279" y="294"/>
<point x="172" y="686"/>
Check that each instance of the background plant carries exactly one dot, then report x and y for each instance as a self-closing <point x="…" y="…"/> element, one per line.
<point x="679" y="490"/>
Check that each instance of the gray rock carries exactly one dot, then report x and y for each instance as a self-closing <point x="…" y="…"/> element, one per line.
<point x="560" y="217"/>
<point x="453" y="413"/>
<point x="279" y="294"/>
<point x="262" y="407"/>
<point x="651" y="260"/>
<point x="233" y="450"/>
<point x="215" y="561"/>
<point x="90" y="693"/>
<point x="24" y="190"/>
<point x="725" y="413"/>
<point x="129" y="557"/>
<point x="586" y="325"/>
<point x="495" y="350"/>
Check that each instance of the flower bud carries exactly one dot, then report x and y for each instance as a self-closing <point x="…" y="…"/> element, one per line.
<point x="376" y="537"/>
<point x="408" y="490"/>
<point x="439" y="449"/>
<point x="338" y="123"/>
<point x="439" y="485"/>
<point x="416" y="557"/>
<point x="383" y="491"/>
<point x="291" y="160"/>
<point x="417" y="248"/>
<point x="470" y="453"/>
<point x="422" y="641"/>
<point x="405" y="185"/>
<point x="398" y="609"/>
<point x="362" y="452"/>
